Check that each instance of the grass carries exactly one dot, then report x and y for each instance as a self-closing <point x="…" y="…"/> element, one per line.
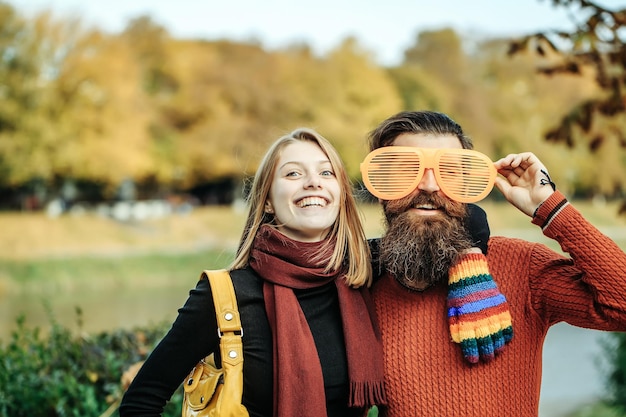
<point x="85" y="273"/>
<point x="27" y="236"/>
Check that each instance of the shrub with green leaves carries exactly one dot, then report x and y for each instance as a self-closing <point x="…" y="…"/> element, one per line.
<point x="615" y="349"/>
<point x="63" y="374"/>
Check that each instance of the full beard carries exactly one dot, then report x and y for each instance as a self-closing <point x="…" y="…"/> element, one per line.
<point x="419" y="250"/>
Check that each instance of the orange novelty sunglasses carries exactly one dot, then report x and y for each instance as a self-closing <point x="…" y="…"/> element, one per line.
<point x="393" y="172"/>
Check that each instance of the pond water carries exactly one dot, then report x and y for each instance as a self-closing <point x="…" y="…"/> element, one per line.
<point x="572" y="369"/>
<point x="103" y="310"/>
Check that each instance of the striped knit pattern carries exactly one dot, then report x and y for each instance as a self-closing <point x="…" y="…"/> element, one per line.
<point x="478" y="314"/>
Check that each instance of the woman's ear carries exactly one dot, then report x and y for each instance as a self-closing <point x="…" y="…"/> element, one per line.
<point x="268" y="207"/>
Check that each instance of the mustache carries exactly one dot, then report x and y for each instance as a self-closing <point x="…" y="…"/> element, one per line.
<point x="452" y="208"/>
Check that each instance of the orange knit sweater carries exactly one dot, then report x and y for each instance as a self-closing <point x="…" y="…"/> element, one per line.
<point x="426" y="374"/>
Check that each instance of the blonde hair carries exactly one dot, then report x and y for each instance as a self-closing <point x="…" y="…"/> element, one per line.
<point x="351" y="252"/>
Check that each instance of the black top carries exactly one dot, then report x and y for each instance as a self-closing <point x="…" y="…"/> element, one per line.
<point x="194" y="335"/>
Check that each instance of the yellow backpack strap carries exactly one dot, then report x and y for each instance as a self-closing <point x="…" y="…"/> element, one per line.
<point x="230" y="332"/>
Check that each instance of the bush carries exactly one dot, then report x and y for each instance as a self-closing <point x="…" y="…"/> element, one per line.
<point x="615" y="350"/>
<point x="67" y="375"/>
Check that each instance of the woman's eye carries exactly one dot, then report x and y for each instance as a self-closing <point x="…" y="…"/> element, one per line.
<point x="327" y="173"/>
<point x="292" y="174"/>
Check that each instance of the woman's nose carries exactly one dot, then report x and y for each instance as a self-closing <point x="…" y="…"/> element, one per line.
<point x="313" y="181"/>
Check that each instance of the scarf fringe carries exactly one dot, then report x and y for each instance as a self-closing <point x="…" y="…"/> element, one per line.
<point x="366" y="394"/>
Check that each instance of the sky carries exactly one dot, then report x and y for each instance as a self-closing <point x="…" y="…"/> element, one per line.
<point x="386" y="28"/>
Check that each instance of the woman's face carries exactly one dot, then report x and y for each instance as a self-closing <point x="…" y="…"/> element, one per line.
<point x="304" y="195"/>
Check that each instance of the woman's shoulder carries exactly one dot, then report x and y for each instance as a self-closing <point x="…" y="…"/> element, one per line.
<point x="247" y="283"/>
<point x="246" y="277"/>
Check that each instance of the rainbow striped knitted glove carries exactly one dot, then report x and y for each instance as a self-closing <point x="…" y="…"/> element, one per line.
<point x="478" y="313"/>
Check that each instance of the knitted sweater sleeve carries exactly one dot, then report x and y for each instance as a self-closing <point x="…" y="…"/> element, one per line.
<point x="192" y="336"/>
<point x="586" y="289"/>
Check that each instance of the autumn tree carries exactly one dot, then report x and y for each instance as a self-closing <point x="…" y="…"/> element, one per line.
<point x="230" y="100"/>
<point x="105" y="111"/>
<point x="596" y="45"/>
<point x="73" y="109"/>
<point x="31" y="145"/>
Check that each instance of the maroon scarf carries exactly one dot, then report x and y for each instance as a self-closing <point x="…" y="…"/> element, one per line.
<point x="286" y="265"/>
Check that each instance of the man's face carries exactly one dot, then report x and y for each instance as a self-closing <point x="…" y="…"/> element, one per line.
<point x="425" y="230"/>
<point x="428" y="184"/>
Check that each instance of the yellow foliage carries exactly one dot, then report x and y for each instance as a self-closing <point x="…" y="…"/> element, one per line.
<point x="141" y="105"/>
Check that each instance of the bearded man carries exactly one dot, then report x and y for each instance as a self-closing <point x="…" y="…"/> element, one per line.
<point x="463" y="330"/>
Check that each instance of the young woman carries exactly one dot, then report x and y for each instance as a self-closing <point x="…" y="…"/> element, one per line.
<point x="300" y="276"/>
